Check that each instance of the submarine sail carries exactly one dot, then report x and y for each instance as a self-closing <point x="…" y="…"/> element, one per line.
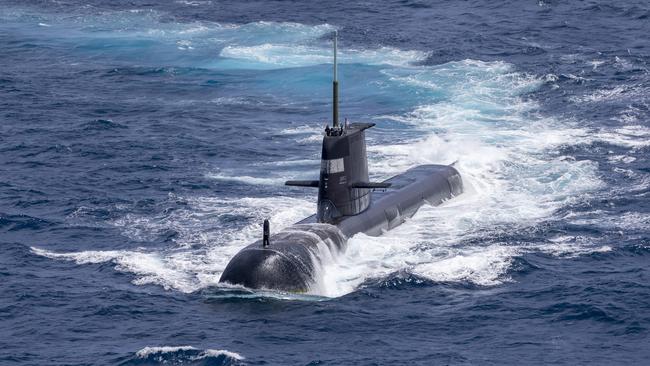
<point x="348" y="203"/>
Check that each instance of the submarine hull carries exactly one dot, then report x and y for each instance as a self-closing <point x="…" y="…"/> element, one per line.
<point x="292" y="259"/>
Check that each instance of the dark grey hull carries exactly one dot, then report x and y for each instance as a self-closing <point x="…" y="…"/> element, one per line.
<point x="291" y="262"/>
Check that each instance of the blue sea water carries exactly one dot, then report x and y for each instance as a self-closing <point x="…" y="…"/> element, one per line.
<point x="143" y="143"/>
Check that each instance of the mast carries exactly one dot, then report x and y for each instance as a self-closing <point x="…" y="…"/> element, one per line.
<point x="335" y="88"/>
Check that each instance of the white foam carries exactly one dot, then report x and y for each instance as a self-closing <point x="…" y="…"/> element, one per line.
<point x="286" y="55"/>
<point x="231" y="101"/>
<point x="570" y="246"/>
<point x="595" y="63"/>
<point x="149" y="351"/>
<point x="634" y="136"/>
<point x="271" y="181"/>
<point x="622" y="63"/>
<point x="194" y="2"/>
<point x="626" y="221"/>
<point x="291" y="163"/>
<point x="149" y="268"/>
<point x="203" y="246"/>
<point x="621" y="159"/>
<point x="310" y="139"/>
<point x="602" y="95"/>
<point x="219" y="352"/>
<point x="304" y="129"/>
<point x="632" y="114"/>
<point x="483" y="266"/>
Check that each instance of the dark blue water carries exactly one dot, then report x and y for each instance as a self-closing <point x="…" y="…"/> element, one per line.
<point x="143" y="143"/>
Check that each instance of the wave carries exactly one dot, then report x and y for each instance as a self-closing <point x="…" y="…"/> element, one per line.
<point x="201" y="44"/>
<point x="128" y="35"/>
<point x="284" y="56"/>
<point x="148" y="351"/>
<point x="204" y="242"/>
<point x="273" y="181"/>
<point x="194" y="2"/>
<point x="186" y="355"/>
<point x="633" y="136"/>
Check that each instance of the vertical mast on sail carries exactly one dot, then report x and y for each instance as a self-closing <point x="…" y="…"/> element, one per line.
<point x="335" y="87"/>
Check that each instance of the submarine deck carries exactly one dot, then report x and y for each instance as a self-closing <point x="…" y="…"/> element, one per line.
<point x="421" y="184"/>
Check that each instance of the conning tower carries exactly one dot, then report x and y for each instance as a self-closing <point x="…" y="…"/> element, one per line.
<point x="343" y="187"/>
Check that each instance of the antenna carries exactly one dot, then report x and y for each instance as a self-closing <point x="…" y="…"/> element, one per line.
<point x="266" y="234"/>
<point x="335" y="88"/>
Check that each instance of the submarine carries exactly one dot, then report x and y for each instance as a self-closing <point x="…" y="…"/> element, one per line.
<point x="348" y="204"/>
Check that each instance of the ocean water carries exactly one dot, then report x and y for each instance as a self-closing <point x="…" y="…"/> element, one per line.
<point x="142" y="144"/>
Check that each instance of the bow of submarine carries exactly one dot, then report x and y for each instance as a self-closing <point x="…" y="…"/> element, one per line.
<point x="289" y="263"/>
<point x="257" y="267"/>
